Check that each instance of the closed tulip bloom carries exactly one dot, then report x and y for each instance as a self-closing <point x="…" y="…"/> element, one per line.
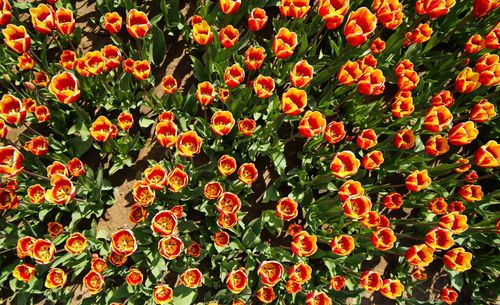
<point x="372" y="160"/>
<point x="437" y="145"/>
<point x="443" y="98"/>
<point x="372" y="82"/>
<point x="64" y="21"/>
<point x="492" y="38"/>
<point x="366" y="139"/>
<point x="284" y="43"/>
<point x="360" y="25"/>
<point x="101" y="129"/>
<point x="25" y="62"/>
<point x="229" y="7"/>
<point x="434" y="8"/>
<point x="404" y="139"/>
<point x="166" y="133"/>
<point x="488" y="155"/>
<point x="481" y="8"/>
<point x="301" y="74"/>
<point x="16" y="38"/>
<point x="287" y="209"/>
<point x="402" y="105"/>
<point x="383" y="239"/>
<point x="456" y="206"/>
<point x="371" y="280"/>
<point x="393" y="201"/>
<point x="475" y="44"/>
<point x="349" y="73"/>
<point x="471" y="192"/>
<point x="112" y="57"/>
<point x="229" y="36"/>
<point x="257" y="19"/>
<point x="467" y="81"/>
<point x="463" y="134"/>
<point x="112" y="22"/>
<point x="65" y="87"/>
<point x="377" y="46"/>
<point x="342" y="244"/>
<point x="418" y="181"/>
<point x="419" y="255"/>
<point x="24" y="245"/>
<point x="304" y="244"/>
<point x="205" y="93"/>
<point x="222" y="122"/>
<point x="169" y="84"/>
<point x="350" y="188"/>
<point x="42" y="18"/>
<point x="137" y="23"/>
<point x="312" y="124"/>
<point x="318" y="298"/>
<point x="344" y="164"/>
<point x="419" y="274"/>
<point x="439" y="239"/>
<point x="389" y="13"/>
<point x="202" y="33"/>
<point x="420" y="34"/>
<point x="293" y="101"/>
<point x="334" y="132"/>
<point x="237" y="280"/>
<point x="234" y="75"/>
<point x="254" y="57"/>
<point x="458" y="259"/>
<point x="455" y="222"/>
<point x="5" y="12"/>
<point x="333" y="12"/>
<point x="162" y="294"/>
<point x="448" y="295"/>
<point x="12" y="110"/>
<point x="408" y="81"/>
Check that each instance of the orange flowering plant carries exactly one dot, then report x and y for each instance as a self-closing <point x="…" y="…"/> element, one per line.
<point x="246" y="152"/>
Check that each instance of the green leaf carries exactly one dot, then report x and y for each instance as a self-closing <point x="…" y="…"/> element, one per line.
<point x="184" y="295"/>
<point x="158" y="46"/>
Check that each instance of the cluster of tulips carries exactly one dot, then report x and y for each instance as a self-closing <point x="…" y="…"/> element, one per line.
<point x="435" y="131"/>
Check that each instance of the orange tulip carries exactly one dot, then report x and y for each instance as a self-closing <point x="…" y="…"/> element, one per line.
<point x="228" y="203"/>
<point x="134" y="277"/>
<point x="344" y="164"/>
<point x="11" y="161"/>
<point x="458" y="259"/>
<point x="212" y="190"/>
<point x="360" y="25"/>
<point x="222" y="122"/>
<point x="112" y="22"/>
<point x="24" y="272"/>
<point x="221" y="239"/>
<point x="166" y="133"/>
<point x="112" y="57"/>
<point x="137" y="214"/>
<point x="318" y="298"/>
<point x="166" y="116"/>
<point x="349" y="73"/>
<point x="94" y="282"/>
<point x="418" y="181"/>
<point x="312" y="124"/>
<point x="371" y="280"/>
<point x="383" y="239"/>
<point x="349" y="189"/>
<point x="202" y="33"/>
<point x="471" y="192"/>
<point x="391" y="289"/>
<point x="229" y="7"/>
<point x="24" y="245"/>
<point x="434" y="8"/>
<point x="101" y="129"/>
<point x="226" y="221"/>
<point x="156" y="177"/>
<point x="437" y="145"/>
<point x="393" y="201"/>
<point x="455" y="222"/>
<point x="64" y="21"/>
<point x="482" y="112"/>
<point x="247" y="173"/>
<point x="170" y="247"/>
<point x="43" y="251"/>
<point x="125" y="121"/>
<point x="169" y="84"/>
<point x="372" y="160"/>
<point x="254" y="57"/>
<point x="342" y="245"/>
<point x="247" y="126"/>
<point x="403" y="104"/>
<point x="481" y="8"/>
<point x="62" y="191"/>
<point x="404" y="139"/>
<point x="38" y="146"/>
<point x="194" y="250"/>
<point x="286" y="209"/>
<point x="304" y="244"/>
<point x="25" y="62"/>
<point x="226" y="165"/>
<point x="420" y="34"/>
<point x="237" y="280"/>
<point x="68" y="59"/>
<point x="294" y="8"/>
<point x="389" y="12"/>
<point x="301" y="74"/>
<point x="377" y="46"/>
<point x="372" y="82"/>
<point x="333" y="12"/>
<point x="439" y="239"/>
<point x="128" y="65"/>
<point x="205" y="93"/>
<point x="224" y="94"/>
<point x="300" y="273"/>
<point x="257" y="19"/>
<point x="76" y="243"/>
<point x="284" y="43"/>
<point x="123" y="242"/>
<point x="263" y="86"/>
<point x="188" y="144"/>
<point x="12" y="110"/>
<point x="55" y="229"/>
<point x="462" y="134"/>
<point x="5" y="12"/>
<point x="65" y="87"/>
<point x="437" y="206"/>
<point x="475" y="44"/>
<point x="266" y="294"/>
<point x="337" y="282"/>
<point x="137" y="23"/>
<point x="408" y="81"/>
<point x="192" y="278"/>
<point x="36" y="193"/>
<point x="419" y="255"/>
<point x="270" y="272"/>
<point x="117" y="259"/>
<point x="443" y="98"/>
<point x="228" y="36"/>
<point x="29" y="104"/>
<point x="42" y="114"/>
<point x="163" y="294"/>
<point x="141" y="69"/>
<point x="56" y="278"/>
<point x="366" y="139"/>
<point x="464" y="167"/>
<point x="143" y="193"/>
<point x="467" y="81"/>
<point x="334" y="132"/>
<point x="234" y="76"/>
<point x="177" y="179"/>
<point x="16" y="38"/>
<point x="42" y="18"/>
<point x="293" y="101"/>
<point x="488" y="155"/>
<point x="448" y="295"/>
<point x="456" y="206"/>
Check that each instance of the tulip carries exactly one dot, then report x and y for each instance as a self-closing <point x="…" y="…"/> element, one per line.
<point x="360" y="25"/>
<point x="137" y="23"/>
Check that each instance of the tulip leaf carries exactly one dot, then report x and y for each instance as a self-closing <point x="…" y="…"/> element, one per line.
<point x="158" y="47"/>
